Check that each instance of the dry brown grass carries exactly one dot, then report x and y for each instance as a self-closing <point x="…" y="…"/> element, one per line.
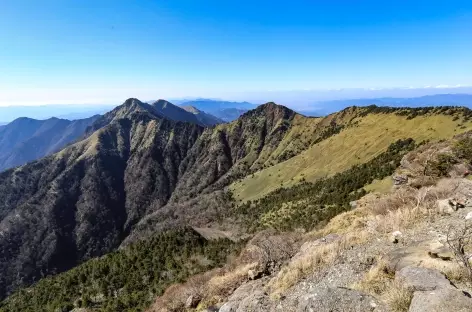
<point x="397" y="297"/>
<point x="313" y="260"/>
<point x="375" y="216"/>
<point x="376" y="280"/>
<point x="405" y="207"/>
<point x="379" y="283"/>
<point x="222" y="286"/>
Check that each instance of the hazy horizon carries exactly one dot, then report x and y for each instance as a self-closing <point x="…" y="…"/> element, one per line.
<point x="102" y="52"/>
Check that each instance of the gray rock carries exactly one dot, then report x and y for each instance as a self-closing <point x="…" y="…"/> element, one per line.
<point x="468" y="216"/>
<point x="248" y="297"/>
<point x="228" y="307"/>
<point x="254" y="274"/>
<point x="395" y="237"/>
<point x="353" y="204"/>
<point x="442" y="252"/>
<point x="412" y="255"/>
<point x="339" y="300"/>
<point x="192" y="301"/>
<point x="440" y="300"/>
<point x="400" y="179"/>
<point x="444" y="206"/>
<point x="414" y="278"/>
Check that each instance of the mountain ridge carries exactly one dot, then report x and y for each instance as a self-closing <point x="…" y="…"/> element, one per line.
<point x="27" y="139"/>
<point x="136" y="173"/>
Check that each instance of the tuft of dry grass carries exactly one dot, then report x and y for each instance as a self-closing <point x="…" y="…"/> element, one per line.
<point x="376" y="280"/>
<point x="379" y="283"/>
<point x="313" y="260"/>
<point x="398" y="298"/>
<point x="222" y="286"/>
<point x="408" y="205"/>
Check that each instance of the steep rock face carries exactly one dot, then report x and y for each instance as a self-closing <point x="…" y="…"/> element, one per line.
<point x="83" y="201"/>
<point x="27" y="139"/>
<point x="228" y="151"/>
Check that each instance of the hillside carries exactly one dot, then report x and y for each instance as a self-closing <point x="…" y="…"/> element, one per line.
<point x="27" y="139"/>
<point x="402" y="250"/>
<point x="174" y="112"/>
<point x="85" y="200"/>
<point x="230" y="114"/>
<point x="366" y="132"/>
<point x="137" y="173"/>
<point x="203" y="118"/>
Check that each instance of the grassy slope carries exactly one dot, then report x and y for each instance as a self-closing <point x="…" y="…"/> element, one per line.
<point x="354" y="145"/>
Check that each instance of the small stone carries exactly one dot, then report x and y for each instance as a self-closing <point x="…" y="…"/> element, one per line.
<point x="444" y="206"/>
<point x="253" y="274"/>
<point x="395" y="237"/>
<point x="400" y="179"/>
<point x="468" y="216"/>
<point x="192" y="301"/>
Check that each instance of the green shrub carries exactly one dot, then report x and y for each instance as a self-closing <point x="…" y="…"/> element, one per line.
<point x="463" y="149"/>
<point x="441" y="166"/>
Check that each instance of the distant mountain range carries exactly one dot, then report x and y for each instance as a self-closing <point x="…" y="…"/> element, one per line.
<point x="70" y="112"/>
<point x="327" y="107"/>
<point x="224" y="110"/>
<point x="203" y="118"/>
<point x="27" y="139"/>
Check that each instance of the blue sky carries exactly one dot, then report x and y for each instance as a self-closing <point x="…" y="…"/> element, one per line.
<point x="106" y="51"/>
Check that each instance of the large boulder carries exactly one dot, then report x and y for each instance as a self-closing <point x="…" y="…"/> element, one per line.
<point x="248" y="297"/>
<point x="416" y="254"/>
<point x="339" y="300"/>
<point x="412" y="255"/>
<point x="415" y="278"/>
<point x="440" y="300"/>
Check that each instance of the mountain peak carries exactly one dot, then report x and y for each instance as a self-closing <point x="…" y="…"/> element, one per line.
<point x="271" y="110"/>
<point x="162" y="103"/>
<point x="191" y="109"/>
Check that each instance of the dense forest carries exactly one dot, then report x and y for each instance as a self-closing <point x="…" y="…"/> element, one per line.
<point x="125" y="280"/>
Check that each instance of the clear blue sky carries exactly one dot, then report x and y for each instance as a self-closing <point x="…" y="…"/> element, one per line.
<point x="103" y="51"/>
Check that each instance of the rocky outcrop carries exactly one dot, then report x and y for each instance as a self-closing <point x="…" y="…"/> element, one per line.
<point x="441" y="300"/>
<point x="339" y="300"/>
<point x="449" y="205"/>
<point x="400" y="179"/>
<point x="421" y="279"/>
<point x="248" y="297"/>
